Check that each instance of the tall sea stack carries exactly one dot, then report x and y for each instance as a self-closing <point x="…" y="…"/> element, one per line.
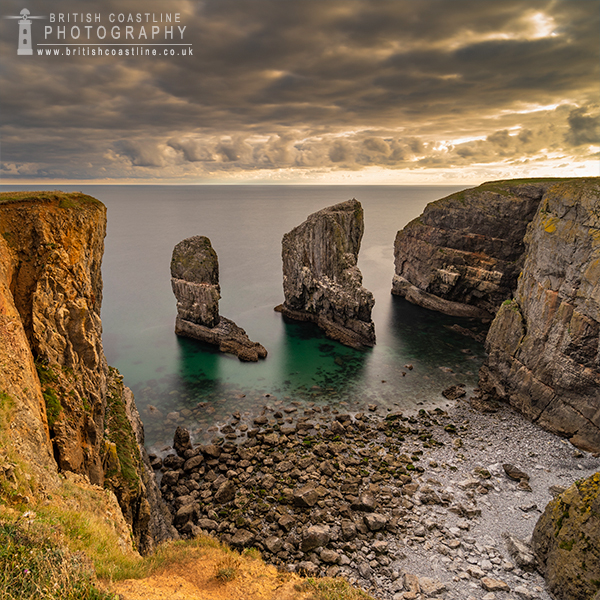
<point x="195" y="283"/>
<point x="321" y="280"/>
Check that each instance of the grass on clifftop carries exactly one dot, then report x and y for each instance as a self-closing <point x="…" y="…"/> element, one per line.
<point x="64" y="199"/>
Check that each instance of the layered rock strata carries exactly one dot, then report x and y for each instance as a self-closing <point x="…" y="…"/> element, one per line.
<point x="195" y="283"/>
<point x="321" y="280"/>
<point x="463" y="255"/>
<point x="566" y="540"/>
<point x="543" y="346"/>
<point x="69" y="414"/>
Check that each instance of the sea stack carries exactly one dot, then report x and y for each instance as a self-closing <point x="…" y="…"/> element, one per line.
<point x="321" y="280"/>
<point x="195" y="283"/>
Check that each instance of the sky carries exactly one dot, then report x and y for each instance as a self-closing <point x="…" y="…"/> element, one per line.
<point x="300" y="91"/>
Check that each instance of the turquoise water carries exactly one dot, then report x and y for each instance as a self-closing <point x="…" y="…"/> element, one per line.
<point x="245" y="225"/>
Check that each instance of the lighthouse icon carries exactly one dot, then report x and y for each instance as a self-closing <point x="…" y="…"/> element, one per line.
<point x="25" y="34"/>
<point x="25" y="23"/>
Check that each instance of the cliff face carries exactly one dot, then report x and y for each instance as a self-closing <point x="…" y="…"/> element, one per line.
<point x="195" y="283"/>
<point x="566" y="540"/>
<point x="463" y="255"/>
<point x="321" y="280"/>
<point x="543" y="346"/>
<point x="20" y="390"/>
<point x="52" y="246"/>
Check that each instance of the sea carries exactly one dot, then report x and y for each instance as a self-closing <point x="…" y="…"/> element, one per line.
<point x="178" y="381"/>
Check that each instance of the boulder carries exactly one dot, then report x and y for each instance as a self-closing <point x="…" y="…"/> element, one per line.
<point x="306" y="497"/>
<point x="566" y="541"/>
<point x="315" y="537"/>
<point x="225" y="493"/>
<point x="321" y="280"/>
<point x="181" y="441"/>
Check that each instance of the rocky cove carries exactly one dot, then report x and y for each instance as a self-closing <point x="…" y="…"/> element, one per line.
<point x="420" y="506"/>
<point x="320" y="489"/>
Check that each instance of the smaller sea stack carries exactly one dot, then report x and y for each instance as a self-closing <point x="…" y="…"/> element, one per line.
<point x="195" y="283"/>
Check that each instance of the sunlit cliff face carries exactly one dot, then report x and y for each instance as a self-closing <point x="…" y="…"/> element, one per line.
<point x="329" y="92"/>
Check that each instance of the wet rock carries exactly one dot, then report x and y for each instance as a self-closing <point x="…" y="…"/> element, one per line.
<point x="173" y="462"/>
<point x="211" y="451"/>
<point x="181" y="441"/>
<point x="155" y="461"/>
<point x="193" y="463"/>
<point x="337" y="428"/>
<point x="306" y="497"/>
<point x="315" y="537"/>
<point x="170" y="478"/>
<point x="454" y="392"/>
<point x="225" y="493"/>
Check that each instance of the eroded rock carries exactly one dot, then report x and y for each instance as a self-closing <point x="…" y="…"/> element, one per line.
<point x="321" y="280"/>
<point x="463" y="255"/>
<point x="566" y="541"/>
<point x="195" y="283"/>
<point x="543" y="346"/>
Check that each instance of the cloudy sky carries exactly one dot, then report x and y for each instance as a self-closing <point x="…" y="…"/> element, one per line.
<point x="303" y="91"/>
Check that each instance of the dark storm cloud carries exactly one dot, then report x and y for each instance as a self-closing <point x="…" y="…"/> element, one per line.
<point x="307" y="85"/>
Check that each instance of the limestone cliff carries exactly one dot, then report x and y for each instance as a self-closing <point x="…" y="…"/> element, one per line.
<point x="321" y="280"/>
<point x="566" y="541"/>
<point x="195" y="283"/>
<point x="66" y="411"/>
<point x="463" y="255"/>
<point x="543" y="346"/>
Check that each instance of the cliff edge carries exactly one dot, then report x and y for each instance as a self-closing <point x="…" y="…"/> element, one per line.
<point x="68" y="409"/>
<point x="543" y="346"/>
<point x="321" y="280"/>
<point x="463" y="255"/>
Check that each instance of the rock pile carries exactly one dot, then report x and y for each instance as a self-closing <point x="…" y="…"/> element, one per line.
<point x="390" y="503"/>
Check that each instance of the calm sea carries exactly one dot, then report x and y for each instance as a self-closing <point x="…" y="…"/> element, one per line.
<point x="245" y="225"/>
